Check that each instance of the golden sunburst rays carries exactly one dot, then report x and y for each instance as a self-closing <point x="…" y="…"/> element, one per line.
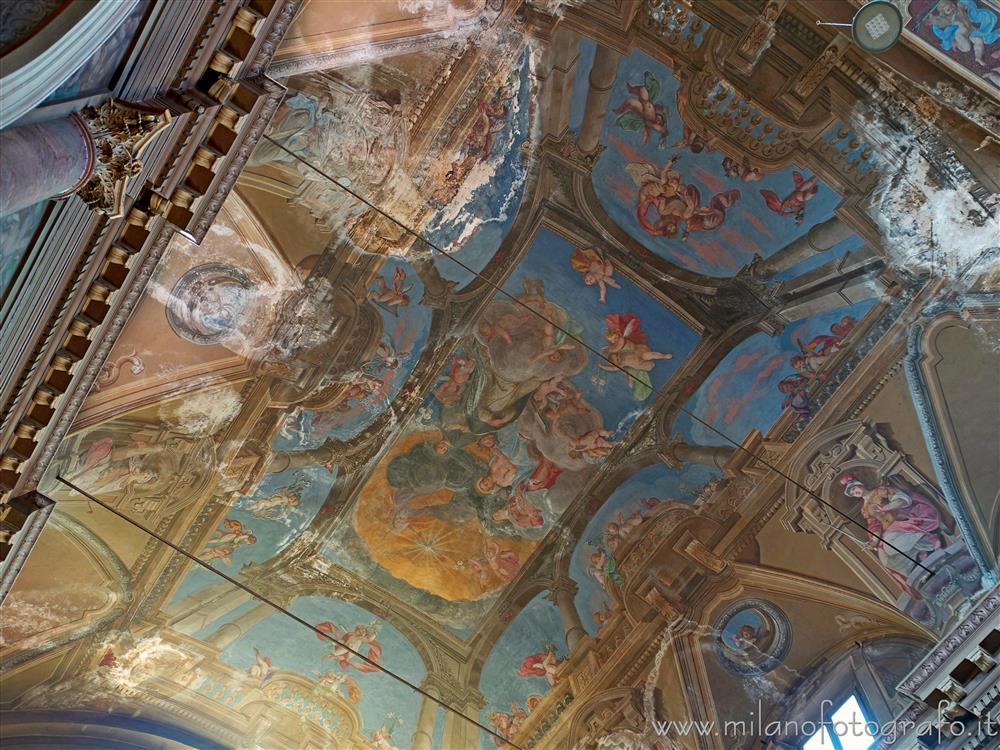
<point x="429" y="544"/>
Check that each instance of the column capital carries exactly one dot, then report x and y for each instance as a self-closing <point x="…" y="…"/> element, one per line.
<point x="119" y="132"/>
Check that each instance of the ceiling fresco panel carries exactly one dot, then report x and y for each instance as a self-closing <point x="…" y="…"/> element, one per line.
<point x="619" y="523"/>
<point x="680" y="195"/>
<point x="521" y="416"/>
<point x="521" y="669"/>
<point x="490" y="390"/>
<point x="764" y="375"/>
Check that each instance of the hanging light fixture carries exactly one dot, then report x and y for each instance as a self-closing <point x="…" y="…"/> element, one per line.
<point x="875" y="27"/>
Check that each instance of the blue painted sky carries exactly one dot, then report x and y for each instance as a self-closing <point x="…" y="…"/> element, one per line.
<point x="405" y="330"/>
<point x="292" y="648"/>
<point x="658" y="481"/>
<point x="494" y="203"/>
<point x="741" y="394"/>
<point x="272" y="535"/>
<point x="548" y="259"/>
<point x="534" y="628"/>
<point x="750" y="227"/>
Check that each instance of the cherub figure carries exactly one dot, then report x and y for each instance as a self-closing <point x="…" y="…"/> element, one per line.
<point x="678" y="204"/>
<point x="593" y="444"/>
<point x="231" y="533"/>
<point x="793" y="204"/>
<point x="460" y="370"/>
<point x="604" y="568"/>
<point x="743" y="170"/>
<point x="619" y="529"/>
<point x="595" y="268"/>
<point x="520" y="511"/>
<point x="279" y="503"/>
<point x="602" y="615"/>
<point x="543" y="664"/>
<point x="381" y="737"/>
<point x="640" y="112"/>
<point x="337" y="680"/>
<point x="628" y="349"/>
<point x="360" y="640"/>
<point x="261" y="669"/>
<point x="965" y="26"/>
<point x="695" y="142"/>
<point x="396" y="295"/>
<point x="222" y="552"/>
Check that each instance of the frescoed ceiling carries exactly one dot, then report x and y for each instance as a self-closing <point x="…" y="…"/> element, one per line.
<point x="478" y="401"/>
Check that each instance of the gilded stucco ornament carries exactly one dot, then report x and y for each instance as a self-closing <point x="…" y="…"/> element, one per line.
<point x="120" y="131"/>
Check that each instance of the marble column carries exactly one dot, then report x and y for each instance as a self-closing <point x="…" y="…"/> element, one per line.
<point x="602" y="80"/>
<point x="560" y="72"/>
<point x="708" y="455"/>
<point x="818" y="239"/>
<point x="231" y="631"/>
<point x="43" y="160"/>
<point x="423" y="735"/>
<point x="563" y="593"/>
<point x="212" y="607"/>
<point x="459" y="731"/>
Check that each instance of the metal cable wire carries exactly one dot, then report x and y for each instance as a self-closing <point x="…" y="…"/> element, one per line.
<point x="284" y="611"/>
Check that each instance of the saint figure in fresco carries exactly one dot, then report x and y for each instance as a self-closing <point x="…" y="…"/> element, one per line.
<point x="434" y="465"/>
<point x="360" y="640"/>
<point x="793" y="204"/>
<point x="907" y="520"/>
<point x="641" y="113"/>
<point x="796" y="390"/>
<point x="965" y="26"/>
<point x="595" y="268"/>
<point x="543" y="664"/>
<point x="628" y="349"/>
<point x="102" y="467"/>
<point x="677" y="204"/>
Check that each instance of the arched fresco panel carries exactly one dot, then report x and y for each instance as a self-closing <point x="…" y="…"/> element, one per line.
<point x="620" y="521"/>
<point x="258" y="526"/>
<point x="476" y="214"/>
<point x="276" y="644"/>
<point x="522" y="667"/>
<point x="765" y="374"/>
<point x="681" y="196"/>
<point x="406" y="323"/>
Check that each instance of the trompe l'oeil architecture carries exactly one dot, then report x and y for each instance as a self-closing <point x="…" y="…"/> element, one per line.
<point x="539" y="374"/>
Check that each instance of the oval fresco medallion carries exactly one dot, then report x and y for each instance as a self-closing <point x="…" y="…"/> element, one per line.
<point x="752" y="637"/>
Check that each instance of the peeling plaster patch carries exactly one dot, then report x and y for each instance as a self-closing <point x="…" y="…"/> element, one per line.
<point x="202" y="413"/>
